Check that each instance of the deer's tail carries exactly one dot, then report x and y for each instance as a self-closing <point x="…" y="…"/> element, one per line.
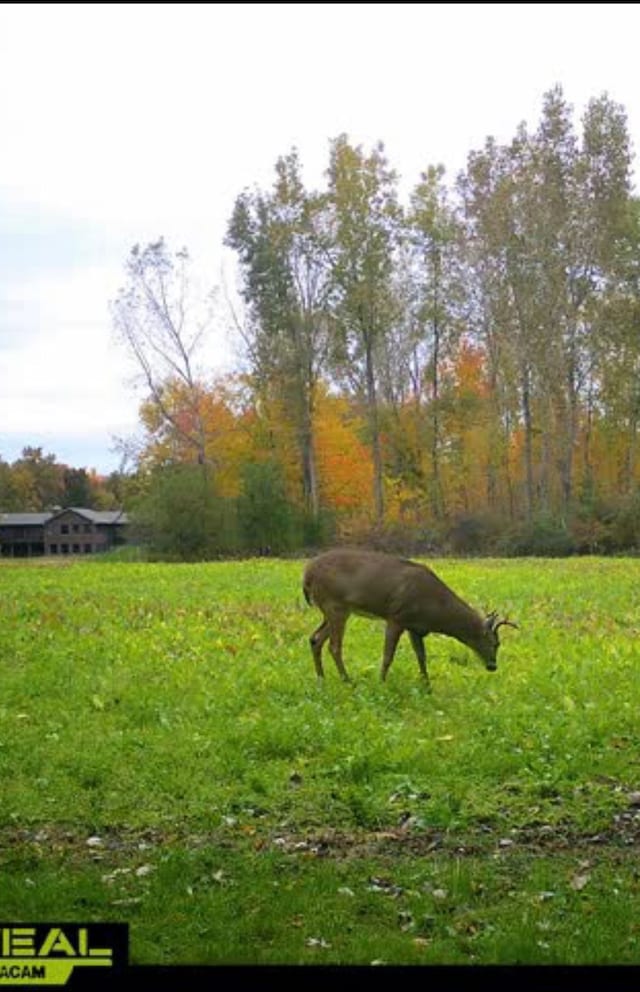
<point x="307" y="592"/>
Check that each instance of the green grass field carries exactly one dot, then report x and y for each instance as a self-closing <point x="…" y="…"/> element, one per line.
<point x="168" y="759"/>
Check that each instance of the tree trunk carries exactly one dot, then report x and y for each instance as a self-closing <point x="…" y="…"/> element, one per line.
<point x="376" y="452"/>
<point x="492" y="458"/>
<point x="567" y="458"/>
<point x="528" y="442"/>
<point x="508" y="479"/>
<point x="587" y="485"/>
<point x="436" y="494"/>
<point x="630" y="459"/>
<point x="546" y="432"/>
<point x="570" y="428"/>
<point x="309" y="472"/>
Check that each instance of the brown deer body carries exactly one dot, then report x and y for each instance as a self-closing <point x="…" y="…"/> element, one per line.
<point x="408" y="596"/>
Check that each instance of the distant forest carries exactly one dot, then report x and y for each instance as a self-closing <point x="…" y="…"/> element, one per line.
<point x="458" y="372"/>
<point x="38" y="481"/>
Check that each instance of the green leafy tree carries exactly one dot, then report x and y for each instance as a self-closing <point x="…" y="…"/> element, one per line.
<point x="434" y="233"/>
<point x="37" y="480"/>
<point x="266" y="519"/>
<point x="280" y="239"/>
<point x="497" y="310"/>
<point x="9" y="500"/>
<point x="174" y="521"/>
<point x="77" y="488"/>
<point x="365" y="233"/>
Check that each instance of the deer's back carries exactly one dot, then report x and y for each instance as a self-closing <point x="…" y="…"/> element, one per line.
<point x="375" y="584"/>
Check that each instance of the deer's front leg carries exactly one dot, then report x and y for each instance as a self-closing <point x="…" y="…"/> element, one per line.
<point x="391" y="638"/>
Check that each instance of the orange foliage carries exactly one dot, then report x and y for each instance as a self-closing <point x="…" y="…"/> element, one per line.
<point x="467" y="370"/>
<point x="344" y="465"/>
<point x="480" y="466"/>
<point x="227" y="439"/>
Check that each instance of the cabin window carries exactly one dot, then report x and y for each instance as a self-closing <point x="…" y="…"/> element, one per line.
<point x="76" y="549"/>
<point x="53" y="549"/>
<point x="64" y="528"/>
<point x="87" y="549"/>
<point x="76" y="528"/>
<point x="87" y="528"/>
<point x="64" y="548"/>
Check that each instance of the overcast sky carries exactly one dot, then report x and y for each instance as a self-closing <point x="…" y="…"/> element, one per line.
<point x="123" y="122"/>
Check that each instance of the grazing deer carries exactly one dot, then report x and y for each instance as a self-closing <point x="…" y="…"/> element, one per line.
<point x="407" y="595"/>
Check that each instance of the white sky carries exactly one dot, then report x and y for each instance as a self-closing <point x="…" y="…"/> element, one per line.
<point x="123" y="122"/>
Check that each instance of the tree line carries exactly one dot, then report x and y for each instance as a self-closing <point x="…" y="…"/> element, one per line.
<point x="37" y="482"/>
<point x="459" y="368"/>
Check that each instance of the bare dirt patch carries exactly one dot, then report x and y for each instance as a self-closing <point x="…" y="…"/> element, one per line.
<point x="54" y="840"/>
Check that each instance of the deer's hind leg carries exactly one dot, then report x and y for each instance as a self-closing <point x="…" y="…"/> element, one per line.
<point x="317" y="640"/>
<point x="418" y="646"/>
<point x="337" y="623"/>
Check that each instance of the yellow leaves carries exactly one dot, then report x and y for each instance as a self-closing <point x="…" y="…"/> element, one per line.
<point x="477" y="459"/>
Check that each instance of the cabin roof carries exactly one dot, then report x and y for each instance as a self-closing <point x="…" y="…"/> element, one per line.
<point x="95" y="516"/>
<point x="23" y="519"/>
<point x="39" y="519"/>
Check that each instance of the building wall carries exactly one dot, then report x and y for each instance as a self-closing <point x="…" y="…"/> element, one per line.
<point x="21" y="542"/>
<point x="67" y="533"/>
<point x="71" y="534"/>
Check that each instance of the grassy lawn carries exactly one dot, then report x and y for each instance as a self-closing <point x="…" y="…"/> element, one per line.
<point x="167" y="759"/>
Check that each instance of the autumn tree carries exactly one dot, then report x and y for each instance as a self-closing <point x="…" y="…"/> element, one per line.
<point x="226" y="436"/>
<point x="344" y="460"/>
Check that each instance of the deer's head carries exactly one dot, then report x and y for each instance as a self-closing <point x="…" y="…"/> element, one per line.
<point x="489" y="642"/>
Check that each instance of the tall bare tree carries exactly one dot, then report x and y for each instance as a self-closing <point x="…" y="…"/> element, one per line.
<point x="161" y="322"/>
